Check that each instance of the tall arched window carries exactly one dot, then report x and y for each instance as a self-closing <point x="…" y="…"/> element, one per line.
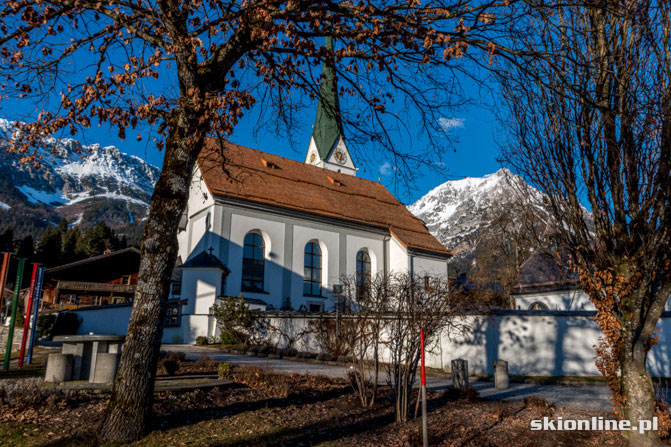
<point x="253" y="263"/>
<point x="362" y="272"/>
<point x="312" y="273"/>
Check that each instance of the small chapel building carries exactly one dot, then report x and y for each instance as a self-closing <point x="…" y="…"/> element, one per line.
<point x="283" y="232"/>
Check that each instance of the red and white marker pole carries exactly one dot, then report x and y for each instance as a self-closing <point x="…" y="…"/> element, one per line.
<point x="425" y="423"/>
<point x="29" y="313"/>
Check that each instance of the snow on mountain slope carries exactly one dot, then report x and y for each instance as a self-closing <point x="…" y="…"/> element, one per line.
<point x="457" y="211"/>
<point x="83" y="183"/>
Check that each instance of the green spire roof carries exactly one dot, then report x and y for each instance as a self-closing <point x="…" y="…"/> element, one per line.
<point x="327" y="125"/>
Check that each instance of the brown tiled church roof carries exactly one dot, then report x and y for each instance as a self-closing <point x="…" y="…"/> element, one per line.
<point x="545" y="271"/>
<point x="240" y="172"/>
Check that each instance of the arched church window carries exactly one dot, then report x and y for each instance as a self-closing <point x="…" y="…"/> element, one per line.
<point x="312" y="272"/>
<point x="253" y="263"/>
<point x="362" y="272"/>
<point x="538" y="306"/>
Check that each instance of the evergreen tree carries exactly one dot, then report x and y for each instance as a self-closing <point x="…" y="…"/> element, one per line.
<point x="7" y="239"/>
<point x="49" y="250"/>
<point x="70" y="245"/>
<point x="26" y="248"/>
<point x="97" y="239"/>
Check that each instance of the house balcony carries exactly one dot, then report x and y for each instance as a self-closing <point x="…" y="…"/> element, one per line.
<point x="95" y="287"/>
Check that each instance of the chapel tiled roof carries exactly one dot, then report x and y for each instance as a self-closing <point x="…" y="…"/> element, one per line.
<point x="264" y="178"/>
<point x="545" y="271"/>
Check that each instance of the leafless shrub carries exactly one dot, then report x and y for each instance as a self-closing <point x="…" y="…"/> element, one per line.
<point x="414" y="303"/>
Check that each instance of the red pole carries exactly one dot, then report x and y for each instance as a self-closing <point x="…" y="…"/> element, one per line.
<point x="421" y="340"/>
<point x="29" y="313"/>
<point x="3" y="280"/>
<point x="425" y="423"/>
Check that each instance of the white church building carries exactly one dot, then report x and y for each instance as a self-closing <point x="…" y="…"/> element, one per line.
<point x="283" y="232"/>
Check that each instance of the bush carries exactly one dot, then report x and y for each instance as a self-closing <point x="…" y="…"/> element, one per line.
<point x="253" y="349"/>
<point x="225" y="338"/>
<point x="204" y="363"/>
<point x="467" y="394"/>
<point x="235" y="320"/>
<point x="66" y="324"/>
<point x="224" y="370"/>
<point x="344" y="359"/>
<point x="202" y="341"/>
<point x="323" y="357"/>
<point x="306" y="355"/>
<point x="267" y="350"/>
<point x="45" y="324"/>
<point x="169" y="362"/>
<point x="169" y="367"/>
<point x="289" y="352"/>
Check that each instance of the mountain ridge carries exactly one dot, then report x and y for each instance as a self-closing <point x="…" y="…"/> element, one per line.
<point x="84" y="184"/>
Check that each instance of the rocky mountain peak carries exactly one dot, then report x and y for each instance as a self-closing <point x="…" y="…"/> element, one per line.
<point x="85" y="183"/>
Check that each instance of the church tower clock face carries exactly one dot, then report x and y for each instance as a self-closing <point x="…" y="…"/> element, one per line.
<point x="341" y="157"/>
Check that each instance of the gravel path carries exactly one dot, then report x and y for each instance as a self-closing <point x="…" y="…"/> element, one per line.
<point x="594" y="397"/>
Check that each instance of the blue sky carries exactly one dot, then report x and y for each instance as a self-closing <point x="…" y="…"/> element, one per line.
<point x="473" y="152"/>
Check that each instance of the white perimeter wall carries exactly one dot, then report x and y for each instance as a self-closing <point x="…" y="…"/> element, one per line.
<point x="557" y="300"/>
<point x="533" y="345"/>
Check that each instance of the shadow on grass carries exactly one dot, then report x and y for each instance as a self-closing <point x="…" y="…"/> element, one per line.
<point x="27" y="372"/>
<point x="193" y="416"/>
<point x="318" y="432"/>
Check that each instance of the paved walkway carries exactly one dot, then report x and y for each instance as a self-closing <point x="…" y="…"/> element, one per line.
<point x="585" y="397"/>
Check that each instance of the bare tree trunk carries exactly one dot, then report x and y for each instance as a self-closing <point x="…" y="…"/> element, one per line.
<point x="639" y="395"/>
<point x="129" y="410"/>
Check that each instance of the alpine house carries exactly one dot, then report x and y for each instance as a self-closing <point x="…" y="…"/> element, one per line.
<point x="283" y="232"/>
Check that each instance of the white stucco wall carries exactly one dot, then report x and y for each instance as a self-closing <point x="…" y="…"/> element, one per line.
<point x="398" y="257"/>
<point x="198" y="202"/>
<point x="533" y="344"/>
<point x="424" y="265"/>
<point x="573" y="299"/>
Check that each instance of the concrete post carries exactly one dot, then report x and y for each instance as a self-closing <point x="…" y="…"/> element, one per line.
<point x="105" y="370"/>
<point x="460" y="374"/>
<point x="59" y="368"/>
<point x="501" y="379"/>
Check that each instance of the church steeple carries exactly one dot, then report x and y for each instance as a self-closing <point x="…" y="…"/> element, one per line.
<point x="327" y="144"/>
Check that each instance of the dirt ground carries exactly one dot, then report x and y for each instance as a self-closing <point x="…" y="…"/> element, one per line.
<point x="264" y="409"/>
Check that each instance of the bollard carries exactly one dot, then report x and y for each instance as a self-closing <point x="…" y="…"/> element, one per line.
<point x="59" y="368"/>
<point x="106" y="364"/>
<point x="460" y="374"/>
<point x="501" y="379"/>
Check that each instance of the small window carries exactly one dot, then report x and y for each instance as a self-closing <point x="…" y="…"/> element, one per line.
<point x="173" y="314"/>
<point x="362" y="272"/>
<point x="315" y="307"/>
<point x="538" y="306"/>
<point x="176" y="288"/>
<point x="312" y="270"/>
<point x="253" y="263"/>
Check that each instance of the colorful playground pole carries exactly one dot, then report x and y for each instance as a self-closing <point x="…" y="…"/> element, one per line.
<point x="12" y="321"/>
<point x="28" y="311"/>
<point x="36" y="310"/>
<point x="6" y="257"/>
<point x="425" y="426"/>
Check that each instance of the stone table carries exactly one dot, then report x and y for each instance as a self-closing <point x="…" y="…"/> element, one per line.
<point x="85" y="349"/>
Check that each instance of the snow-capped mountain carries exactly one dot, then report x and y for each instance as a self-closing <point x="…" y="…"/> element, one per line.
<point x="459" y="211"/>
<point x="83" y="183"/>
